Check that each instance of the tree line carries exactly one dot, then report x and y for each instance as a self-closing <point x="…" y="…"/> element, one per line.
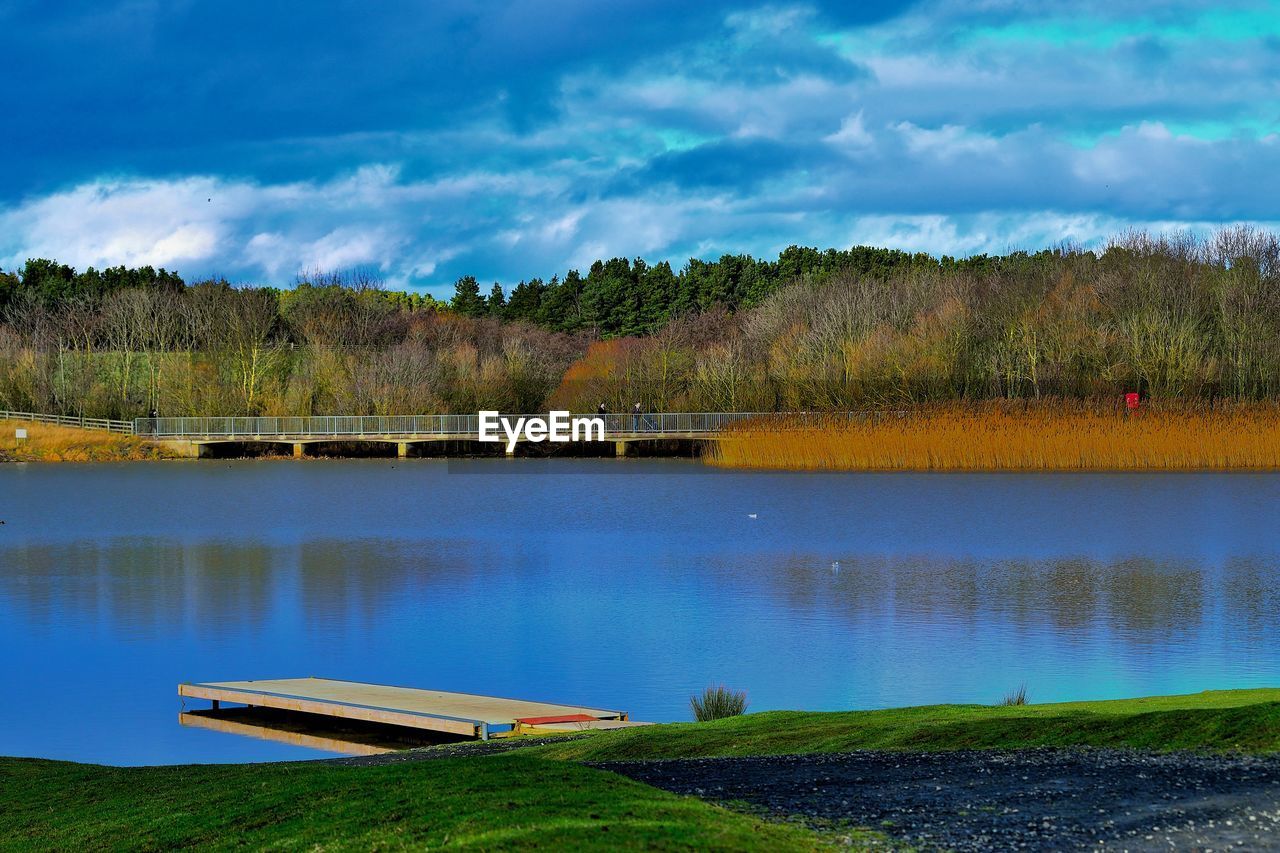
<point x="620" y="297"/>
<point x="1173" y="317"/>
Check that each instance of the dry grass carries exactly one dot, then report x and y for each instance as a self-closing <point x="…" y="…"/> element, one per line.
<point x="1050" y="436"/>
<point x="48" y="443"/>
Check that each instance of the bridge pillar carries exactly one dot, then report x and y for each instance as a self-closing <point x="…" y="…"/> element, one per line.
<point x="298" y="449"/>
<point x="188" y="449"/>
<point x="402" y="449"/>
<point x="619" y="449"/>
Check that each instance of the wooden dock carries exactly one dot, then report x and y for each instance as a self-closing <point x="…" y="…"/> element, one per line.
<point x="461" y="714"/>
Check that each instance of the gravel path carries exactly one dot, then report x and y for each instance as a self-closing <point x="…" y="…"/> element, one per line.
<point x="1036" y="799"/>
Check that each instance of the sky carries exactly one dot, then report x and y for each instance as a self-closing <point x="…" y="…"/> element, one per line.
<point x="510" y="139"/>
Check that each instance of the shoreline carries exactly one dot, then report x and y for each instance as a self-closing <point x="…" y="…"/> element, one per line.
<point x="995" y="437"/>
<point x="7" y="460"/>
<point x="1201" y="767"/>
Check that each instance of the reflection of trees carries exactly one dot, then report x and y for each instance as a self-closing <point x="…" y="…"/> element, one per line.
<point x="1251" y="596"/>
<point x="1072" y="592"/>
<point x="1154" y="601"/>
<point x="365" y="577"/>
<point x="807" y="585"/>
<point x="1063" y="593"/>
<point x="162" y="586"/>
<point x="158" y="586"/>
<point x="141" y="586"/>
<point x="1144" y="600"/>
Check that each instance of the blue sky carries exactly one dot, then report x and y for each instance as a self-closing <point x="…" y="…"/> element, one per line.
<point x="510" y="138"/>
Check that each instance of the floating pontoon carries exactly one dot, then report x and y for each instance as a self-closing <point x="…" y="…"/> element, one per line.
<point x="462" y="714"/>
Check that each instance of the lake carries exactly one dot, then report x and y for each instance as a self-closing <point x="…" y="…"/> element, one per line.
<point x="614" y="583"/>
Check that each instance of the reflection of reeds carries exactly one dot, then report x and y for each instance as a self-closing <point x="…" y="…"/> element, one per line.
<point x="1010" y="436"/>
<point x="49" y="443"/>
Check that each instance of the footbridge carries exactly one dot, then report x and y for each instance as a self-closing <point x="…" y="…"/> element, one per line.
<point x="412" y="434"/>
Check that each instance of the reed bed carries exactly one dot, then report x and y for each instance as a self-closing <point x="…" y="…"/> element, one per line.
<point x="50" y="443"/>
<point x="1011" y="436"/>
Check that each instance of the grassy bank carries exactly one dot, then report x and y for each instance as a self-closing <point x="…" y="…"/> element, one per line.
<point x="507" y="801"/>
<point x="50" y="443"/>
<point x="1014" y="437"/>
<point x="1244" y="720"/>
<point x="544" y="797"/>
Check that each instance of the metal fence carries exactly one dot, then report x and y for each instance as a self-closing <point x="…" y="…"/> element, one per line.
<point x="344" y="426"/>
<point x="658" y="423"/>
<point x="123" y="427"/>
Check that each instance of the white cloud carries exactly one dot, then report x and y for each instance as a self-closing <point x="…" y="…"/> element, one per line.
<point x="946" y="141"/>
<point x="852" y="133"/>
<point x="264" y="232"/>
<point x="161" y="223"/>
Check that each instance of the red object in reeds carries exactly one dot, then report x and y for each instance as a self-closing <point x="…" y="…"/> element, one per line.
<point x="1132" y="401"/>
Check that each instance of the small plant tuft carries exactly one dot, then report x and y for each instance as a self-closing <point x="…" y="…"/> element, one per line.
<point x="1017" y="697"/>
<point x="716" y="703"/>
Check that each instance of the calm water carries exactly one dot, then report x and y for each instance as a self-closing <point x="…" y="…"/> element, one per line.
<point x="621" y="584"/>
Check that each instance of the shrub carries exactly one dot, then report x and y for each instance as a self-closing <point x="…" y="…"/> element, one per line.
<point x="1017" y="697"/>
<point x="716" y="703"/>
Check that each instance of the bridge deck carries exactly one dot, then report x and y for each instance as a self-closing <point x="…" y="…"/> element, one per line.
<point x="413" y="438"/>
<point x="420" y="427"/>
<point x="456" y="713"/>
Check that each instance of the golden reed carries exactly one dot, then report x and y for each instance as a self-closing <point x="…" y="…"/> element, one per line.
<point x="50" y="443"/>
<point x="1011" y="436"/>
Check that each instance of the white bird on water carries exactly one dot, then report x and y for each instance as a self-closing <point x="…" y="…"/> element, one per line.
<point x="752" y="515"/>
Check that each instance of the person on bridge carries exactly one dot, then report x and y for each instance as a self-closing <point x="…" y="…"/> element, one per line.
<point x="636" y="414"/>
<point x="602" y="409"/>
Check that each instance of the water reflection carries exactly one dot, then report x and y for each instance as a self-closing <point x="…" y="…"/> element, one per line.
<point x="610" y="591"/>
<point x="150" y="587"/>
<point x="1144" y="601"/>
<point x="312" y="731"/>
<point x="153" y="587"/>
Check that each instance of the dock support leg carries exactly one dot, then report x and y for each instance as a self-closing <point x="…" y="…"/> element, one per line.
<point x="217" y="703"/>
<point x="402" y="449"/>
<point x="484" y="731"/>
<point x="620" y="449"/>
<point x="297" y="450"/>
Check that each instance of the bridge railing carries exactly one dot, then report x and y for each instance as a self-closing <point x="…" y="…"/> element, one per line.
<point x="355" y="426"/>
<point x="360" y="426"/>
<point x="122" y="427"/>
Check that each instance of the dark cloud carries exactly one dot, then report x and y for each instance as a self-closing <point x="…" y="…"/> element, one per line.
<point x="741" y="166"/>
<point x="159" y="86"/>
<point x="519" y="137"/>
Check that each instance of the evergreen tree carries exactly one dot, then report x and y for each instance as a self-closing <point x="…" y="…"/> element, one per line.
<point x="467" y="300"/>
<point x="496" y="304"/>
<point x="526" y="301"/>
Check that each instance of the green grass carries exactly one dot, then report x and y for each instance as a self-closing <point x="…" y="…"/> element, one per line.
<point x="542" y="796"/>
<point x="505" y="801"/>
<point x="1246" y="720"/>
